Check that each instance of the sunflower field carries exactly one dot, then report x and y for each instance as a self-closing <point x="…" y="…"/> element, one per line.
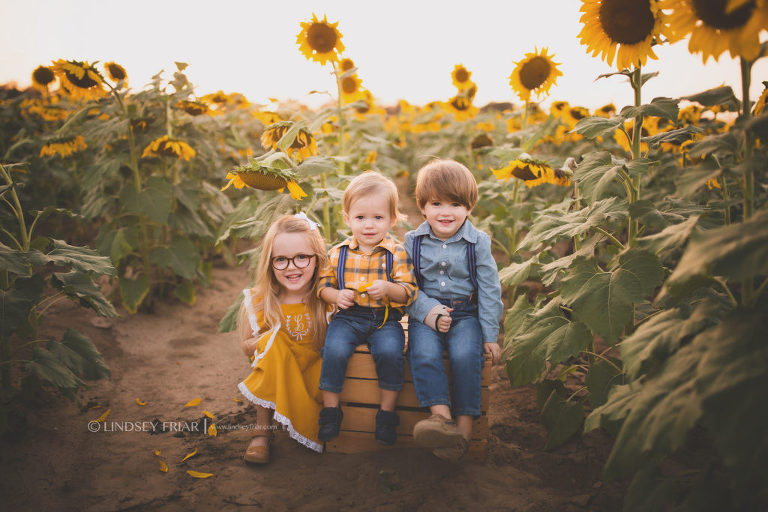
<point x="632" y="241"/>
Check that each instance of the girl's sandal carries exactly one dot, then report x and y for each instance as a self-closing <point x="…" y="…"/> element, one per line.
<point x="258" y="453"/>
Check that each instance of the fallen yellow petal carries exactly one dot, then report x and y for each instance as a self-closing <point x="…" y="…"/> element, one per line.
<point x="237" y="400"/>
<point x="208" y="414"/>
<point x="103" y="416"/>
<point x="158" y="452"/>
<point x="163" y="466"/>
<point x="95" y="407"/>
<point x="194" y="402"/>
<point x="190" y="455"/>
<point x="138" y="401"/>
<point x="197" y="474"/>
<point x="212" y="431"/>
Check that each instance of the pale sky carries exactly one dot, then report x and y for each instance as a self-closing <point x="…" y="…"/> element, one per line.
<point x="403" y="48"/>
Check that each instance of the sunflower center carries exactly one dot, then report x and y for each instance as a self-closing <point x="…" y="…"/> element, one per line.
<point x="460" y="103"/>
<point x="627" y="21"/>
<point x="117" y="72"/>
<point x="462" y="75"/>
<point x="321" y="37"/>
<point x="83" y="82"/>
<point x="349" y="85"/>
<point x="577" y="113"/>
<point x="43" y="75"/>
<point x="534" y="72"/>
<point x="712" y="13"/>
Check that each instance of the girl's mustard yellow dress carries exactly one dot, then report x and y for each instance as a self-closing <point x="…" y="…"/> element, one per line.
<point x="286" y="371"/>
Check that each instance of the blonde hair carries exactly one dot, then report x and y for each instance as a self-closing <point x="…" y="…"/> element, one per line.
<point x="369" y="183"/>
<point x="446" y="179"/>
<point x="267" y="288"/>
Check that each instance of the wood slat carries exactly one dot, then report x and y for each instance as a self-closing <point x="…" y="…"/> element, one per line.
<point x="366" y="391"/>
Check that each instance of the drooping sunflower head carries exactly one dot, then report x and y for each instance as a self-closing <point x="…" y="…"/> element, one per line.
<point x="165" y="146"/>
<point x="537" y="73"/>
<point x="63" y="146"/>
<point x="319" y="40"/>
<point x="532" y="172"/>
<point x="622" y="29"/>
<point x="81" y="80"/>
<point x="719" y="25"/>
<point x="115" y="71"/>
<point x="42" y="77"/>
<point x="193" y="108"/>
<point x="303" y="145"/>
<point x="255" y="175"/>
<point x="461" y="77"/>
<point x="606" y="110"/>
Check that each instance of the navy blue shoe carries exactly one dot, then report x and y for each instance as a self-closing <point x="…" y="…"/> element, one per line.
<point x="386" y="421"/>
<point x="330" y="423"/>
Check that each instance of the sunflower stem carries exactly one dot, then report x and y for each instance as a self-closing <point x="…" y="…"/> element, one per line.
<point x="17" y="210"/>
<point x="637" y="131"/>
<point x="525" y="115"/>
<point x="749" y="176"/>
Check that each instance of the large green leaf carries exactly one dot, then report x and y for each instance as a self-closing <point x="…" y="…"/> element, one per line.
<point x="603" y="375"/>
<point x="602" y="300"/>
<point x="79" y="258"/>
<point x="561" y="418"/>
<point x="549" y="338"/>
<point x="181" y="257"/>
<point x="658" y="107"/>
<point x="597" y="175"/>
<point x="17" y="302"/>
<point x="154" y="202"/>
<point x="80" y="285"/>
<point x="722" y="95"/>
<point x="675" y="236"/>
<point x="662" y="334"/>
<point x="592" y="127"/>
<point x="120" y="247"/>
<point x="645" y="266"/>
<point x="15" y="262"/>
<point x="133" y="292"/>
<point x="515" y="273"/>
<point x="185" y="292"/>
<point x="47" y="366"/>
<point x="229" y="322"/>
<point x="732" y="381"/>
<point x="92" y="362"/>
<point x="736" y="252"/>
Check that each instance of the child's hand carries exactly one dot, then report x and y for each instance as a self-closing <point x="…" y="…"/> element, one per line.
<point x="443" y="323"/>
<point x="377" y="290"/>
<point x="345" y="299"/>
<point x="495" y="350"/>
<point x="249" y="346"/>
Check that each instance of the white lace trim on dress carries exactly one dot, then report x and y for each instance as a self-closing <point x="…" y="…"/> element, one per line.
<point x="285" y="422"/>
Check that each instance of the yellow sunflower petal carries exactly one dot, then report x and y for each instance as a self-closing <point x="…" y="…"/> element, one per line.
<point x="194" y="402"/>
<point x="198" y="474"/>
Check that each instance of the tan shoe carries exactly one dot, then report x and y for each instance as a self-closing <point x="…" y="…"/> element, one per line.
<point x="258" y="453"/>
<point x="452" y="453"/>
<point x="437" y="432"/>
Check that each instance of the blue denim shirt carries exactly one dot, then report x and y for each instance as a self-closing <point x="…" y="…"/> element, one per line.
<point x="445" y="274"/>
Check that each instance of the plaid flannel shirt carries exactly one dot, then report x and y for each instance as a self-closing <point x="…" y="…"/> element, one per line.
<point x="362" y="269"/>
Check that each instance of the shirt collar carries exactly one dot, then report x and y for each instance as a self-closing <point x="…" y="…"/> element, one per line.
<point x="388" y="243"/>
<point x="467" y="231"/>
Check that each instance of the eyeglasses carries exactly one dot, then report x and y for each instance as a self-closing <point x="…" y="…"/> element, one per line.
<point x="299" y="261"/>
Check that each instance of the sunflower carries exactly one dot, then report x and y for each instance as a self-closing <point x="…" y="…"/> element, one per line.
<point x="193" y="108"/>
<point x="625" y="140"/>
<point x="266" y="117"/>
<point x="460" y="77"/>
<point x="558" y="109"/>
<point x="461" y="107"/>
<point x="115" y="71"/>
<point x="63" y="146"/>
<point x="533" y="172"/>
<point x="80" y="79"/>
<point x="606" y="110"/>
<point x="346" y="64"/>
<point x="717" y="25"/>
<point x="303" y="145"/>
<point x="351" y="89"/>
<point x="482" y="140"/>
<point x="165" y="146"/>
<point x="319" y="40"/>
<point x="49" y="111"/>
<point x="624" y="29"/>
<point x="535" y="73"/>
<point x="254" y="175"/>
<point x="42" y="77"/>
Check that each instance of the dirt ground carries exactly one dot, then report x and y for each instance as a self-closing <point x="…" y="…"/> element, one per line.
<point x="59" y="460"/>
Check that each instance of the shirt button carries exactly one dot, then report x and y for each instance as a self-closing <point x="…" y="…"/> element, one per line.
<point x="444" y="246"/>
<point x="442" y="284"/>
<point x="442" y="263"/>
<point x="362" y="294"/>
<point x="442" y="271"/>
<point x="362" y="278"/>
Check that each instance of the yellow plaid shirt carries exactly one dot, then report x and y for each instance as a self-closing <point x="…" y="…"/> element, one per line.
<point x="362" y="269"/>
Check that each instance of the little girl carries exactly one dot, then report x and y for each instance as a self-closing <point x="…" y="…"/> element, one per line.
<point x="282" y="323"/>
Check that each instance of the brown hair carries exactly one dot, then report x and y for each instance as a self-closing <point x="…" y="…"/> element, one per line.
<point x="446" y="179"/>
<point x="267" y="288"/>
<point x="369" y="183"/>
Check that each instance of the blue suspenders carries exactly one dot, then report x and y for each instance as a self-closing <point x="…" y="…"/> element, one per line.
<point x="343" y="261"/>
<point x="471" y="261"/>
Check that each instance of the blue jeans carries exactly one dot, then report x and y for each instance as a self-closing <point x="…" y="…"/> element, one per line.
<point x="357" y="325"/>
<point x="464" y="345"/>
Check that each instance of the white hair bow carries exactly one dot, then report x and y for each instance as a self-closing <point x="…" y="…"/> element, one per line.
<point x="312" y="224"/>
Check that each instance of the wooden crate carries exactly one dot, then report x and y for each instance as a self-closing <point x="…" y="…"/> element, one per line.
<point x="360" y="401"/>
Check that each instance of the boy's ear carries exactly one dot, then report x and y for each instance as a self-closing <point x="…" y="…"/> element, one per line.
<point x="345" y="215"/>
